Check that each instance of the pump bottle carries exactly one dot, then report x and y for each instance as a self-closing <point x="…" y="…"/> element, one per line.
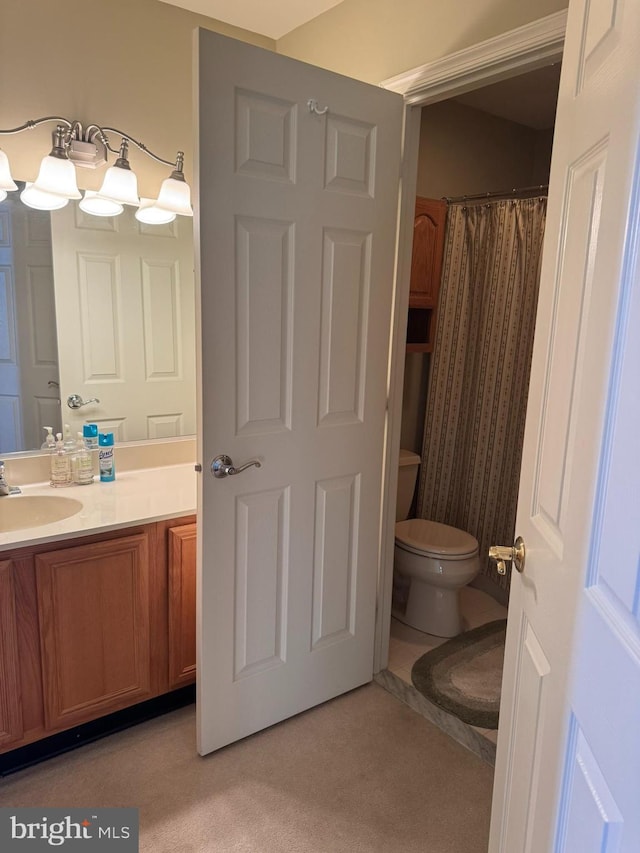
<point x="60" y="464"/>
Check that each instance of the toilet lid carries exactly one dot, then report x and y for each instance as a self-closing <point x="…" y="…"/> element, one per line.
<point x="435" y="539"/>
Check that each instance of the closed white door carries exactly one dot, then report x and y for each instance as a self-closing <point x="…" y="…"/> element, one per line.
<point x="297" y="236"/>
<point x="569" y="744"/>
<point x="125" y="303"/>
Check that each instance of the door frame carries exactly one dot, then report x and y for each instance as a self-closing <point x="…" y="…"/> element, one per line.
<point x="517" y="51"/>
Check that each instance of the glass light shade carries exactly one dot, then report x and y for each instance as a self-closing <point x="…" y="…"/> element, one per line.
<point x="40" y="200"/>
<point x="97" y="206"/>
<point x="151" y="214"/>
<point x="120" y="185"/>
<point x="6" y="181"/>
<point x="58" y="176"/>
<point x="175" y="196"/>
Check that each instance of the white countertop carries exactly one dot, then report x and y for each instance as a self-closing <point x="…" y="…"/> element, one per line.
<point x="134" y="497"/>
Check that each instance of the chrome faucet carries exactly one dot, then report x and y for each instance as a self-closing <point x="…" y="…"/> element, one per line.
<point x="5" y="488"/>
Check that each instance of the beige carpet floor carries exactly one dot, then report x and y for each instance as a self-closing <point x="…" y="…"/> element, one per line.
<point x="360" y="774"/>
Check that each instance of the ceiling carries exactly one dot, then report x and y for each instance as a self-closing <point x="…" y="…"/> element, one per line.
<point x="272" y="18"/>
<point x="528" y="99"/>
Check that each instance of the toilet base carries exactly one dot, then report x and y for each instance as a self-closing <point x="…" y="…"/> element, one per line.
<point x="431" y="609"/>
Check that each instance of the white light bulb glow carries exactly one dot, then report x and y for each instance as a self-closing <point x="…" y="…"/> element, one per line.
<point x="7" y="184"/>
<point x="57" y="176"/>
<point x="39" y="200"/>
<point x="151" y="214"/>
<point x="97" y="206"/>
<point x="175" y="196"/>
<point x="120" y="185"/>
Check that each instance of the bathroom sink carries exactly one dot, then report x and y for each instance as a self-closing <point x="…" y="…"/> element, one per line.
<point x="18" y="511"/>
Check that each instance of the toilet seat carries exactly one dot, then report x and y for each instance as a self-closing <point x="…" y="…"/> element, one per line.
<point x="433" y="539"/>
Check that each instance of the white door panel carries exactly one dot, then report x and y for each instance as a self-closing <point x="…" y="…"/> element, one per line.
<point x="297" y="234"/>
<point x="568" y="752"/>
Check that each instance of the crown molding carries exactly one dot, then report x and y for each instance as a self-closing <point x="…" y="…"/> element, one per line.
<point x="532" y="45"/>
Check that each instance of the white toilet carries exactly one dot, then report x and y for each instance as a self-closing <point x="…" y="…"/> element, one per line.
<point x="432" y="562"/>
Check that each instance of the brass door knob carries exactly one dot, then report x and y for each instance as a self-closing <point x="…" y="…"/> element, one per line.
<point x="515" y="554"/>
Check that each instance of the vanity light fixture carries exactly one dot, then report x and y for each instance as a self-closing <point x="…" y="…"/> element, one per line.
<point x="74" y="146"/>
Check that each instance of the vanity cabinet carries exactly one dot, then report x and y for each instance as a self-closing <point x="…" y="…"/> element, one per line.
<point x="95" y="631"/>
<point x="426" y="271"/>
<point x="11" y="722"/>
<point x="94" y="625"/>
<point x="182" y="604"/>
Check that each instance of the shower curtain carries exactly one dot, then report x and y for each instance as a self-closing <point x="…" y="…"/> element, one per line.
<point x="479" y="380"/>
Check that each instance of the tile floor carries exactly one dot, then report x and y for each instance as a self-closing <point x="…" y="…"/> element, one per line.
<point x="406" y="644"/>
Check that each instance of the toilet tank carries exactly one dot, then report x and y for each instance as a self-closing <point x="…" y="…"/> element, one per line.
<point x="407" y="476"/>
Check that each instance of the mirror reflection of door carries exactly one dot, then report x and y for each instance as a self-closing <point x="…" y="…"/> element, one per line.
<point x="29" y="395"/>
<point x="126" y="323"/>
<point x="126" y="298"/>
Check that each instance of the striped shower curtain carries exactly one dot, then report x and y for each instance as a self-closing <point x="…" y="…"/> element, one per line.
<point x="479" y="380"/>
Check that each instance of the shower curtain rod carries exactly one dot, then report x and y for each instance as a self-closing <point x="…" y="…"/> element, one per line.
<point x="540" y="188"/>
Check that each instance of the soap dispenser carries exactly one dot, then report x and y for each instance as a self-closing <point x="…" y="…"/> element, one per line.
<point x="82" y="464"/>
<point x="60" y="465"/>
<point x="69" y="441"/>
<point x="49" y="442"/>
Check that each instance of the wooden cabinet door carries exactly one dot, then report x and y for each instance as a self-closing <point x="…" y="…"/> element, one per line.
<point x="182" y="605"/>
<point x="428" y="244"/>
<point x="93" y="608"/>
<point x="11" y="723"/>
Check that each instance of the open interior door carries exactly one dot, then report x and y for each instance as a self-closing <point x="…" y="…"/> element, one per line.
<point x="299" y="179"/>
<point x="569" y="742"/>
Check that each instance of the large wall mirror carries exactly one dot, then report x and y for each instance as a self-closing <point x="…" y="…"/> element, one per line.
<point x="100" y="309"/>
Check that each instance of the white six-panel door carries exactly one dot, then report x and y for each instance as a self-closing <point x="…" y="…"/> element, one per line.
<point x="297" y="236"/>
<point x="569" y="744"/>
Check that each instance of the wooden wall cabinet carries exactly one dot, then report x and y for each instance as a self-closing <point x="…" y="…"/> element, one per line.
<point x="426" y="271"/>
<point x="94" y="625"/>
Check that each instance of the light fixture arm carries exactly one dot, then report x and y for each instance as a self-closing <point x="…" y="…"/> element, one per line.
<point x="101" y="132"/>
<point x="33" y="123"/>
